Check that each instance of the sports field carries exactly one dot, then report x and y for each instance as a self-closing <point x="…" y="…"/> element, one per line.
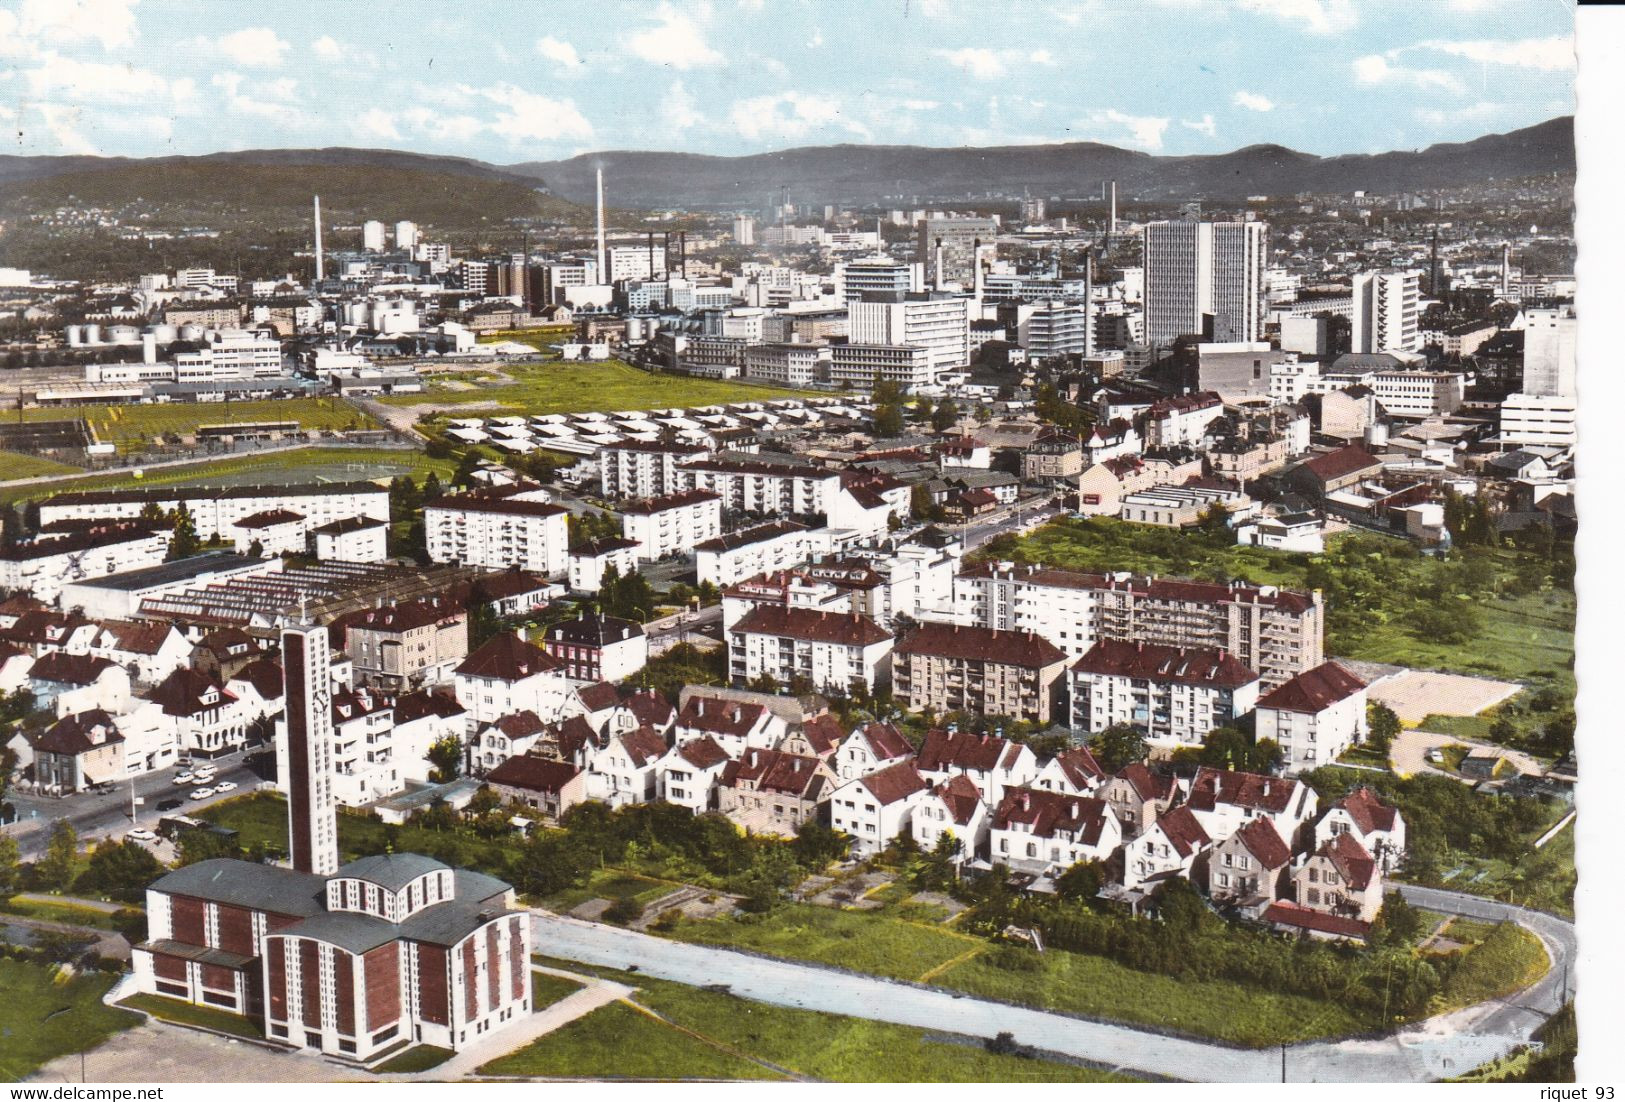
<point x="300" y="465"/>
<point x="537" y="388"/>
<point x="132" y="427"/>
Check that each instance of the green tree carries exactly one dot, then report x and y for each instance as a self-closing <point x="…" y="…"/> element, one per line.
<point x="1383" y="724"/>
<point x="946" y="415"/>
<point x="1398" y="923"/>
<point x="432" y="488"/>
<point x="120" y="871"/>
<point x="1081" y="882"/>
<point x="57" y="868"/>
<point x="446" y="756"/>
<point x="183" y="541"/>
<point x="888" y="421"/>
<point x="10" y="866"/>
<point x="982" y="414"/>
<point x="1117" y="746"/>
<point x="205" y="845"/>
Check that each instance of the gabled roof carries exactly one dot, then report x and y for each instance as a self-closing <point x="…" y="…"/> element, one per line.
<point x="221" y="642"/>
<point x="533" y="774"/>
<point x="1050" y="812"/>
<point x="945" y="750"/>
<point x="506" y="657"/>
<point x="1341" y="463"/>
<point x="1182" y="830"/>
<point x="266" y="677"/>
<point x="1368" y="812"/>
<point x="183" y="692"/>
<point x="1169" y="665"/>
<point x="702" y="753"/>
<point x="960" y="796"/>
<point x="73" y="735"/>
<point x="812" y="625"/>
<point x="651" y="708"/>
<point x="1146" y="784"/>
<point x="69" y="669"/>
<point x="401" y="616"/>
<point x="593" y="631"/>
<point x="893" y="783"/>
<point x="643" y="746"/>
<point x="885" y="741"/>
<point x="1264" y="842"/>
<point x="1213" y="787"/>
<point x="1303" y="918"/>
<point x="1352" y="860"/>
<point x="598" y="696"/>
<point x="977" y="644"/>
<point x="421" y="704"/>
<point x="721" y="717"/>
<point x="823" y="734"/>
<point x="520" y="724"/>
<point x="1314" y="690"/>
<point x="135" y="636"/>
<point x="1079" y="766"/>
<point x="776" y="771"/>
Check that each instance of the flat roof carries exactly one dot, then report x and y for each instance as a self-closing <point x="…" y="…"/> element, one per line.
<point x="174" y="573"/>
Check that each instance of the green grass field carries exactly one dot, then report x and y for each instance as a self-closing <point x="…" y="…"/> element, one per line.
<point x="539" y="388"/>
<point x="15" y="465"/>
<point x="806" y="1043"/>
<point x="132" y="427"/>
<point x="608" y="884"/>
<point x="58" y="912"/>
<point x="315" y="464"/>
<point x="545" y="989"/>
<point x="618" y="1042"/>
<point x="1508" y="959"/>
<point x="414" y="1059"/>
<point x="539" y="335"/>
<point x="42" y="1018"/>
<point x="878" y="944"/>
<point x="184" y="1013"/>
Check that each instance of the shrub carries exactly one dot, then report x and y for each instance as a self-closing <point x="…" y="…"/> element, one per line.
<point x="624" y="911"/>
<point x="1014" y="958"/>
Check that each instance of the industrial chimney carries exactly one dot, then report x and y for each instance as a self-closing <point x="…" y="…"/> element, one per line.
<point x="603" y="276"/>
<point x="316" y="203"/>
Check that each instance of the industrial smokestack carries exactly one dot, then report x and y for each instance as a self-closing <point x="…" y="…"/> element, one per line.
<point x="936" y="281"/>
<point x="682" y="254"/>
<point x="1114" y="207"/>
<point x="976" y="255"/>
<point x="1506" y="268"/>
<point x="316" y="205"/>
<point x="603" y="276"/>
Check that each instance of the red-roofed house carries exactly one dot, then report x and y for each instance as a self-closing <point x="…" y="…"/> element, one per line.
<point x="734" y="725"/>
<point x="1252" y="864"/>
<point x="1334" y="470"/>
<point x="877" y="807"/>
<point x="869" y="749"/>
<point x="1314" y="717"/>
<point x="1225" y="799"/>
<point x="1289" y="918"/>
<point x="1137" y="796"/>
<point x="505" y="737"/>
<point x="769" y="792"/>
<point x="550" y="787"/>
<point x="831" y="651"/>
<point x="507" y="674"/>
<point x="624" y="772"/>
<point x="1340" y="878"/>
<point x="818" y="737"/>
<point x="150" y="649"/>
<point x="956" y="808"/>
<point x="984" y="671"/>
<point x="690" y="772"/>
<point x="1174" y="845"/>
<point x="1375" y="825"/>
<point x="1176" y="695"/>
<point x="994" y="763"/>
<point x="1073" y="771"/>
<point x="1047" y="832"/>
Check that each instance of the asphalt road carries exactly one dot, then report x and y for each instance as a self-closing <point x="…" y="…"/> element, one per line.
<point x="1431" y="1050"/>
<point x="703" y="628"/>
<point x="96" y="815"/>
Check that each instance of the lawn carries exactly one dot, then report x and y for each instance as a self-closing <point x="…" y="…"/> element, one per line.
<point x="618" y="1042"/>
<point x="133" y="427"/>
<point x="1508" y="959"/>
<point x="538" y="388"/>
<point x="547" y="989"/>
<point x="15" y="465"/>
<point x="414" y="1059"/>
<point x="1100" y="988"/>
<point x="183" y="1013"/>
<point x="59" y="912"/>
<point x="42" y="1017"/>
<point x="878" y="944"/>
<point x="1544" y="878"/>
<point x="609" y="884"/>
<point x="542" y="334"/>
<point x="832" y="1047"/>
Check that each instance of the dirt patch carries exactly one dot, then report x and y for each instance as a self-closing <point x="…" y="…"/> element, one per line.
<point x="1416" y="694"/>
<point x="592" y="910"/>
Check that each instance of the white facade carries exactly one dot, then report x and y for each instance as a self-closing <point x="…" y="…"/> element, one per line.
<point x="365" y="542"/>
<point x="1549" y="352"/>
<point x="1194" y="268"/>
<point x="1536" y="419"/>
<point x="762" y="487"/>
<point x="832" y="651"/>
<point x="1038" y="601"/>
<point x="642" y="470"/>
<point x="587" y="566"/>
<point x="672" y="525"/>
<point x="873" y="812"/>
<point x="1174" y="712"/>
<point x="728" y="559"/>
<point x="41" y="568"/>
<point x="231" y="354"/>
<point x="216" y="512"/>
<point x="938" y="323"/>
<point x="498" y="533"/>
<point x="1387" y="308"/>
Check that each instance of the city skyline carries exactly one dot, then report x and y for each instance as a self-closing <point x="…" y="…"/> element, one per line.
<point x="124" y="78"/>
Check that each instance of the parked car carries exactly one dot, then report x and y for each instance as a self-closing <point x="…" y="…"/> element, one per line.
<point x="1436" y="757"/>
<point x="225" y="786"/>
<point x="183" y="778"/>
<point x="202" y="793"/>
<point x="168" y="805"/>
<point x="141" y="834"/>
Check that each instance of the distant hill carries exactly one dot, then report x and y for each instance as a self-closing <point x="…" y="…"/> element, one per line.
<point x="860" y="173"/>
<point x="273" y="188"/>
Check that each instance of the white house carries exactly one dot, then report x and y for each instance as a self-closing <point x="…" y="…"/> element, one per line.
<point x="877" y="807"/>
<point x="869" y="749"/>
<point x="956" y="808"/>
<point x="589" y="562"/>
<point x="689" y="773"/>
<point x="507" y="674"/>
<point x="1224" y="799"/>
<point x="734" y="725"/>
<point x="1171" y="846"/>
<point x="780" y="545"/>
<point x="352" y="539"/>
<point x="1375" y="825"/>
<point x="69" y="683"/>
<point x="1314" y="717"/>
<point x="626" y="770"/>
<point x="150" y="649"/>
<point x="499" y="527"/>
<point x="1072" y="772"/>
<point x="832" y="651"/>
<point x="504" y="738"/>
<point x="994" y="764"/>
<point x="277" y="531"/>
<point x="1049" y="832"/>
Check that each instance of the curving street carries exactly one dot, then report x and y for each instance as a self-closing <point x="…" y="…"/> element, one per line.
<point x="1435" y="1049"/>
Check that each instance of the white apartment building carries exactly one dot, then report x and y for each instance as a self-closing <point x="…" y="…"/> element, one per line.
<point x="877" y="273"/>
<point x="500" y="528"/>
<point x="1056" y="328"/>
<point x="1534" y="419"/>
<point x="673" y="524"/>
<point x="1177" y="696"/>
<point x="1419" y="394"/>
<point x="1056" y="604"/>
<point x="832" y="651"/>
<point x="1314" y="717"/>
<point x="787" y="364"/>
<point x="635" y="262"/>
<point x="760" y="550"/>
<point x="1387" y="307"/>
<point x="761" y="487"/>
<point x="940" y="323"/>
<point x="231" y="354"/>
<point x="861" y="366"/>
<point x="372" y="236"/>
<point x="1196" y="269"/>
<point x="589" y="562"/>
<point x="41" y="567"/>
<point x="215" y="512"/>
<point x="355" y="539"/>
<point x="643" y="469"/>
<point x="1548" y="352"/>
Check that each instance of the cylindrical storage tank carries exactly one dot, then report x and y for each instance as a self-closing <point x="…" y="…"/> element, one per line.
<point x="191" y="332"/>
<point x="93" y="334"/>
<point x="355" y="313"/>
<point x="149" y="348"/>
<point x="124" y="334"/>
<point x="634" y="330"/>
<point x="1376" y="435"/>
<point x="164" y="334"/>
<point x="654" y="327"/>
<point x="76" y="336"/>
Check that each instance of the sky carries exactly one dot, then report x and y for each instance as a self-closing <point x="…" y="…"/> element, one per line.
<point x="522" y="81"/>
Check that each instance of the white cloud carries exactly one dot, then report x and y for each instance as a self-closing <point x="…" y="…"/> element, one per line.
<point x="932" y="8"/>
<point x="110" y="22"/>
<point x="1205" y="125"/>
<point x="679" y="110"/>
<point x="675" y="40"/>
<point x="378" y="123"/>
<point x="78" y="81"/>
<point x="327" y="48"/>
<point x="1475" y="112"/>
<point x="1377" y="69"/>
<point x="63" y="124"/>
<point x="1041" y="57"/>
<point x="1316" y="16"/>
<point x="558" y="51"/>
<point x="527" y="116"/>
<point x="752" y="6"/>
<point x="1547" y="55"/>
<point x="979" y="61"/>
<point x="816" y="40"/>
<point x="255" y="47"/>
<point x="1139" y="131"/>
<point x="790" y="115"/>
<point x="1252" y="101"/>
<point x="450" y="129"/>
